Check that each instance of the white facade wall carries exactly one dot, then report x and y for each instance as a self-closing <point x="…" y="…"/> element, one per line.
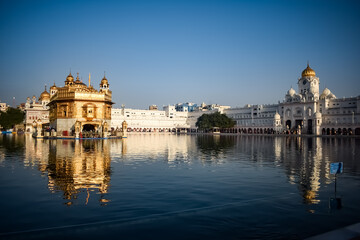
<point x="253" y="115"/>
<point x="149" y="120"/>
<point x="35" y="111"/>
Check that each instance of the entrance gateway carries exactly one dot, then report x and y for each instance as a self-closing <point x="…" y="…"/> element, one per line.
<point x="88" y="128"/>
<point x="91" y="129"/>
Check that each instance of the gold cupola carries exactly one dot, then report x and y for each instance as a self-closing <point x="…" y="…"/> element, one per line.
<point x="53" y="87"/>
<point x="104" y="81"/>
<point x="69" y="79"/>
<point x="308" y="72"/>
<point x="44" y="95"/>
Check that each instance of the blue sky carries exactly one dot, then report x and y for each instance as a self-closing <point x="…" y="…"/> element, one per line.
<point x="165" y="52"/>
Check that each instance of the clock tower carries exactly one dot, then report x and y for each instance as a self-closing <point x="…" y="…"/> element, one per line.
<point x="308" y="85"/>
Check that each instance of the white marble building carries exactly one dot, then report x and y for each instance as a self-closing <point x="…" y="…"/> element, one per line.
<point x="36" y="111"/>
<point x="303" y="112"/>
<point x="307" y="112"/>
<point x="167" y="120"/>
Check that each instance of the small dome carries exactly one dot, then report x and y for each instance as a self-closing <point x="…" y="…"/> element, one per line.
<point x="326" y="93"/>
<point x="69" y="78"/>
<point x="331" y="95"/>
<point x="44" y="95"/>
<point x="53" y="87"/>
<point x="308" y="72"/>
<point x="77" y="78"/>
<point x="291" y="92"/>
<point x="104" y="81"/>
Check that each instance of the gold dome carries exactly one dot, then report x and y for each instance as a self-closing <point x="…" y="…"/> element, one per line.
<point x="44" y="95"/>
<point x="53" y="87"/>
<point x="104" y="81"/>
<point x="69" y="78"/>
<point x="308" y="72"/>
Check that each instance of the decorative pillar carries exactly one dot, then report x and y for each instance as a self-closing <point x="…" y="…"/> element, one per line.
<point x="39" y="128"/>
<point x="317" y="123"/>
<point x="124" y="129"/>
<point x="77" y="129"/>
<point x="105" y="130"/>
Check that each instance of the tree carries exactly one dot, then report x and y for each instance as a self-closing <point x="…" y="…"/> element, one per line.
<point x="210" y="121"/>
<point x="11" y="117"/>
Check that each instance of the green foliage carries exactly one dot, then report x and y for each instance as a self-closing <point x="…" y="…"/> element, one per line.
<point x="210" y="121"/>
<point x="11" y="117"/>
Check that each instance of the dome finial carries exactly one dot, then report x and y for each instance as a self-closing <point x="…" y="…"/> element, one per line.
<point x="308" y="71"/>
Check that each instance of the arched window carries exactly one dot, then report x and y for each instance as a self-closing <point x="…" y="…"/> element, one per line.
<point x="309" y="112"/>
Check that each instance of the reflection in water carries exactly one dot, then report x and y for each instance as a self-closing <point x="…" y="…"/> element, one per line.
<point x="76" y="166"/>
<point x="214" y="148"/>
<point x="81" y="169"/>
<point x="73" y="167"/>
<point x="304" y="164"/>
<point x="152" y="147"/>
<point x="11" y="144"/>
<point x="215" y="144"/>
<point x="306" y="160"/>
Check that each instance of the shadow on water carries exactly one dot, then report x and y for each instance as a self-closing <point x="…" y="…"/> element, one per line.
<point x="215" y="144"/>
<point x="12" y="143"/>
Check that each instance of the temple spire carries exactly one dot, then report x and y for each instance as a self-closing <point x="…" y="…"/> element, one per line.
<point x="89" y="80"/>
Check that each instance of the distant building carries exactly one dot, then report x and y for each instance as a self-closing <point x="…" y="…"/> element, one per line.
<point x="153" y="107"/>
<point x="167" y="120"/>
<point x="307" y="112"/>
<point x="185" y="107"/>
<point x="36" y="110"/>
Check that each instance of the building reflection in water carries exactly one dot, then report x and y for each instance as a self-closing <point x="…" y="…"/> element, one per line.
<point x="83" y="167"/>
<point x="77" y="168"/>
<point x="306" y="160"/>
<point x="214" y="148"/>
<point x="304" y="164"/>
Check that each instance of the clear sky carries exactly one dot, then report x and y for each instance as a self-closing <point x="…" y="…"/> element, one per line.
<point x="165" y="52"/>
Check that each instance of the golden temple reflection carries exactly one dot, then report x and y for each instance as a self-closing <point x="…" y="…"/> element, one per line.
<point x="79" y="168"/>
<point x="123" y="147"/>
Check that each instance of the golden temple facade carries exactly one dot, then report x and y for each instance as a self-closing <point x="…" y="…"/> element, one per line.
<point x="78" y="109"/>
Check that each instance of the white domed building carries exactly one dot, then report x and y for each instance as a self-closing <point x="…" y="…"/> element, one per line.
<point x="37" y="110"/>
<point x="303" y="112"/>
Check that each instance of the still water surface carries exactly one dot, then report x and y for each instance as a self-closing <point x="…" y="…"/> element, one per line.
<point x="177" y="187"/>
